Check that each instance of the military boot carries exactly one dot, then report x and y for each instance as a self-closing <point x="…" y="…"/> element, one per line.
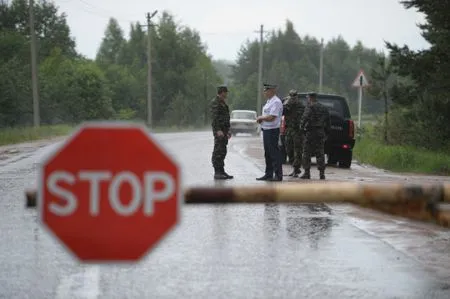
<point x="295" y="172"/>
<point x="306" y="175"/>
<point x="226" y="174"/>
<point x="219" y="174"/>
<point x="322" y="174"/>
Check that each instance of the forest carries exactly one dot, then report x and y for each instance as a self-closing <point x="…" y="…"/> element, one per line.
<point x="409" y="90"/>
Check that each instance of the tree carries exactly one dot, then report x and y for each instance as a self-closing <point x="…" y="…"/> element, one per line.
<point x="73" y="90"/>
<point x="114" y="86"/>
<point x="52" y="32"/>
<point x="292" y="61"/>
<point x="51" y="28"/>
<point x="179" y="66"/>
<point x="112" y="44"/>
<point x="425" y="94"/>
<point x="381" y="75"/>
<point x="225" y="69"/>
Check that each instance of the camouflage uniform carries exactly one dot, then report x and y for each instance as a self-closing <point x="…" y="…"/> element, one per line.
<point x="316" y="124"/>
<point x="294" y="110"/>
<point x="288" y="143"/>
<point x="220" y="115"/>
<point x="287" y="138"/>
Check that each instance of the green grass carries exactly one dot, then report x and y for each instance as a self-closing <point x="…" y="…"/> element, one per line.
<point x="27" y="134"/>
<point x="24" y="134"/>
<point x="368" y="117"/>
<point x="401" y="158"/>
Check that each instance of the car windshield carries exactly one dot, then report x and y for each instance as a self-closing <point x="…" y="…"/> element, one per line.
<point x="243" y="115"/>
<point x="333" y="104"/>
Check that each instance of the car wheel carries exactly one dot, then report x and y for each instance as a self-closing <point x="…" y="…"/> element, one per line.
<point x="346" y="160"/>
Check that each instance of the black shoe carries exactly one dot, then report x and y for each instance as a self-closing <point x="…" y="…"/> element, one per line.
<point x="220" y="176"/>
<point x="295" y="173"/>
<point x="322" y="176"/>
<point x="264" y="178"/>
<point x="276" y="179"/>
<point x="227" y="175"/>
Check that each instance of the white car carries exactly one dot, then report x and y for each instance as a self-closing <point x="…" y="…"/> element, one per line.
<point x="244" y="121"/>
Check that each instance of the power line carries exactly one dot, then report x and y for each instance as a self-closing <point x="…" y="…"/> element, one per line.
<point x="224" y="33"/>
<point x="98" y="7"/>
<point x="108" y="14"/>
<point x="101" y="12"/>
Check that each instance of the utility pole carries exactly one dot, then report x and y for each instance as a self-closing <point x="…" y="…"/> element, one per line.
<point x="34" y="76"/>
<point x="360" y="94"/>
<point x="260" y="69"/>
<point x="205" y="91"/>
<point x="149" y="63"/>
<point x="321" y="66"/>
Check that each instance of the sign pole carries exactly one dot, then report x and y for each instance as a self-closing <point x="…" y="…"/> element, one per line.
<point x="360" y="82"/>
<point x="359" y="105"/>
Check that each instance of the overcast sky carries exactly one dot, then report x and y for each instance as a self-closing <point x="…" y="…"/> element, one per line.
<point x="225" y="25"/>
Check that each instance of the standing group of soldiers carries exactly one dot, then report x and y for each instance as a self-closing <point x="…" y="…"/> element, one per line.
<point x="307" y="129"/>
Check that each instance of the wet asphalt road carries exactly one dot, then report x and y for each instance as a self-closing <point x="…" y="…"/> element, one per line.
<point x="257" y="251"/>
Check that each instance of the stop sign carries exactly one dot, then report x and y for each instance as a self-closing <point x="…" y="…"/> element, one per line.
<point x="110" y="193"/>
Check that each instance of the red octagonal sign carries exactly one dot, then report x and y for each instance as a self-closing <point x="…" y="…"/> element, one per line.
<point x="110" y="193"/>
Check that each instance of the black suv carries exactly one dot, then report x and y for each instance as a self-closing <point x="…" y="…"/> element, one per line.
<point x="340" y="143"/>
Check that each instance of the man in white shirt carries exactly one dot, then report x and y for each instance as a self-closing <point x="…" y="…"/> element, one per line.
<point x="270" y="121"/>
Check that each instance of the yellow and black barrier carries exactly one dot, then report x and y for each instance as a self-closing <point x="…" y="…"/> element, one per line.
<point x="418" y="202"/>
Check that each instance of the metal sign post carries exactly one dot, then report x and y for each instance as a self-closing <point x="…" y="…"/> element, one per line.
<point x="360" y="82"/>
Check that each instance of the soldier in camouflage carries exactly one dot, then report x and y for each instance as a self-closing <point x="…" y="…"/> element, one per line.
<point x="294" y="109"/>
<point x="289" y="147"/>
<point x="220" y="115"/>
<point x="316" y="124"/>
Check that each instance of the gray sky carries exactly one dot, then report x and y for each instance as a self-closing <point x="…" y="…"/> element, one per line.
<point x="225" y="25"/>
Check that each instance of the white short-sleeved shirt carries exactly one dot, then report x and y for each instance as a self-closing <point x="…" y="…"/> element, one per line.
<point x="273" y="106"/>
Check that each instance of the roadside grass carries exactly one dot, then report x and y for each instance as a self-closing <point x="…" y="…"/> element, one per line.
<point x="26" y="134"/>
<point x="400" y="158"/>
<point x="370" y="117"/>
<point x="16" y="135"/>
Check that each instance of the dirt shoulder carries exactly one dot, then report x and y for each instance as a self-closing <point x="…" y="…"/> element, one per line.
<point x="8" y="151"/>
<point x="357" y="173"/>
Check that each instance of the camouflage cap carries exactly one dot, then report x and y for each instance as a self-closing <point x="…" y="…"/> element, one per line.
<point x="222" y="88"/>
<point x="293" y="92"/>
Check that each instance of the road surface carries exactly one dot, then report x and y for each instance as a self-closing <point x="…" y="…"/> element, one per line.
<point x="257" y="251"/>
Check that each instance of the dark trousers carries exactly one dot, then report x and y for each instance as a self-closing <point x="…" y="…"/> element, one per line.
<point x="219" y="152"/>
<point x="314" y="145"/>
<point x="272" y="152"/>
